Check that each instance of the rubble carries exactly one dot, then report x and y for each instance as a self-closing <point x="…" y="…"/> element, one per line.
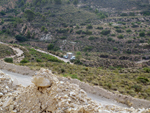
<point x="49" y="95"/>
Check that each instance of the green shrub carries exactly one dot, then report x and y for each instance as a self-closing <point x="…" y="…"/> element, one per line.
<point x="43" y="28"/>
<point x="142" y="34"/>
<point x="45" y="31"/>
<point x="134" y="26"/>
<point x="38" y="60"/>
<point x="137" y="88"/>
<point x="118" y="30"/>
<point x="93" y="38"/>
<point x="99" y="28"/>
<point x="143" y="79"/>
<point x="64" y="25"/>
<point x="146" y="69"/>
<point x="115" y="49"/>
<point x="146" y="13"/>
<point x="63" y="37"/>
<point x="124" y="14"/>
<point x="79" y="31"/>
<point x="128" y="30"/>
<point x="129" y="41"/>
<point x="89" y="26"/>
<point x="62" y="30"/>
<point x="24" y="61"/>
<point x="109" y="39"/>
<point x="120" y="37"/>
<point x="9" y="60"/>
<point x="2" y="13"/>
<point x="105" y="32"/>
<point x="88" y="48"/>
<point x="113" y="35"/>
<point x="87" y="32"/>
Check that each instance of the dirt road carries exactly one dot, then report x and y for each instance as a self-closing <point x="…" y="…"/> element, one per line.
<point x="65" y="60"/>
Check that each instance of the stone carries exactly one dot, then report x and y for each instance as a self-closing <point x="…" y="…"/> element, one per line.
<point x="1" y="94"/>
<point x="41" y="81"/>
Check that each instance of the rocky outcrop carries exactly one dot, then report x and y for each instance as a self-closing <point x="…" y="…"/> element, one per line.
<point x="56" y="97"/>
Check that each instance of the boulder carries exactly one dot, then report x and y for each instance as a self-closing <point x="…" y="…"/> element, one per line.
<point x="41" y="81"/>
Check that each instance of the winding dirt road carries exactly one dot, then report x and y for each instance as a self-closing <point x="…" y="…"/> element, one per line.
<point x="18" y="53"/>
<point x="65" y="60"/>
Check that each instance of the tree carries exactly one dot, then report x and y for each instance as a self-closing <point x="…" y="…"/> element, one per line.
<point x="30" y="15"/>
<point x="20" y="38"/>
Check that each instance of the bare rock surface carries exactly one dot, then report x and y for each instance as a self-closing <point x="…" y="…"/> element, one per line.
<point x="55" y="97"/>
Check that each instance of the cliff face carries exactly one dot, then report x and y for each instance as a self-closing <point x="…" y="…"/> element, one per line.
<point x="49" y="95"/>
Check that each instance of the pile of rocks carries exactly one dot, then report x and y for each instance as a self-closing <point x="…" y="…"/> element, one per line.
<point x="49" y="95"/>
<point x="7" y="87"/>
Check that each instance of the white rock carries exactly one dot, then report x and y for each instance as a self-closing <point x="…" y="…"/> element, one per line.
<point x="1" y="94"/>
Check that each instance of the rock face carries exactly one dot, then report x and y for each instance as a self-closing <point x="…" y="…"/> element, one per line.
<point x="49" y="95"/>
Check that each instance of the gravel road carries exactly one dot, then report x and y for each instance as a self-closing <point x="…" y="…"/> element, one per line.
<point x="65" y="60"/>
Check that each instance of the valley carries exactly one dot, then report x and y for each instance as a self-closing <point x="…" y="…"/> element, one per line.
<point x="109" y="39"/>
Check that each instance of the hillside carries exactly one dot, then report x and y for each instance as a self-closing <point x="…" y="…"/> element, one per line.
<point x="110" y="39"/>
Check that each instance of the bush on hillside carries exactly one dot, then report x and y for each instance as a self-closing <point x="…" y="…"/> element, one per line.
<point x="120" y="37"/>
<point x="24" y="61"/>
<point x="20" y="38"/>
<point x="142" y="34"/>
<point x="89" y="26"/>
<point x="9" y="60"/>
<point x="105" y="32"/>
<point x="50" y="47"/>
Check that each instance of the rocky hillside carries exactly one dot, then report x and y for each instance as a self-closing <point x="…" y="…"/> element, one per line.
<point x="48" y="94"/>
<point x="71" y="25"/>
